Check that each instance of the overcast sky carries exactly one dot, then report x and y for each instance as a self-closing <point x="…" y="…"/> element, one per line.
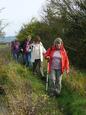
<point x="18" y="12"/>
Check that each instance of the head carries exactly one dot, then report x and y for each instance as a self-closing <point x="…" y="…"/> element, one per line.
<point x="29" y="37"/>
<point x="58" y="43"/>
<point x="37" y="39"/>
<point x="16" y="40"/>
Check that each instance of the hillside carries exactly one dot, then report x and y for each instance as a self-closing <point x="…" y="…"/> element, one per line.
<point x="24" y="94"/>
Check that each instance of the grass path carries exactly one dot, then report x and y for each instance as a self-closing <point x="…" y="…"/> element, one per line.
<point x="49" y="106"/>
<point x="71" y="102"/>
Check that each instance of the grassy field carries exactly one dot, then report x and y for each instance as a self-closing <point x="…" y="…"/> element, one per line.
<point x="3" y="46"/>
<point x="25" y="93"/>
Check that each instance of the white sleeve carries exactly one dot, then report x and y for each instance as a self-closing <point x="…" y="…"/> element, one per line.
<point x="44" y="50"/>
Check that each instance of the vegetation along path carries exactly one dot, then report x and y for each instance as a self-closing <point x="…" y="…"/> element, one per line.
<point x="25" y="94"/>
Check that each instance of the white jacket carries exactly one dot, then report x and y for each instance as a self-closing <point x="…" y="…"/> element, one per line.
<point x="41" y="51"/>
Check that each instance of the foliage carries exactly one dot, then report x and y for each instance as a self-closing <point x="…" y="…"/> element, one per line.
<point x="2" y="26"/>
<point x="66" y="19"/>
<point x="35" y="28"/>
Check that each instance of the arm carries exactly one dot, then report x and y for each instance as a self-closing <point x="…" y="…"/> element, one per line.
<point x="44" y="50"/>
<point x="47" y="54"/>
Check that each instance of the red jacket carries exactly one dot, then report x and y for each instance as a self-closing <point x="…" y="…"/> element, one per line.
<point x="64" y="62"/>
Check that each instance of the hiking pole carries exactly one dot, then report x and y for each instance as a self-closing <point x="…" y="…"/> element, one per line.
<point x="47" y="75"/>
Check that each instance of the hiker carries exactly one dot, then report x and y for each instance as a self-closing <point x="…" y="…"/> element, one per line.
<point x="12" y="48"/>
<point x="21" y="53"/>
<point x="58" y="62"/>
<point x="16" y="50"/>
<point x="37" y="56"/>
<point x="27" y="51"/>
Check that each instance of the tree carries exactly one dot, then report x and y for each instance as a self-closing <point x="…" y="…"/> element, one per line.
<point x="68" y="17"/>
<point x="2" y="26"/>
<point x="64" y="17"/>
<point x="33" y="28"/>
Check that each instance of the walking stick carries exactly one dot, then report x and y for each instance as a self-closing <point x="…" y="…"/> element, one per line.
<point x="47" y="75"/>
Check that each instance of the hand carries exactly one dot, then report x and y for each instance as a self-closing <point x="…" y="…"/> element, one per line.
<point x="48" y="58"/>
<point x="22" y="50"/>
<point x="67" y="71"/>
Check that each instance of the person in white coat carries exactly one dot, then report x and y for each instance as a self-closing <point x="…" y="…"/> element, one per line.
<point x="37" y="56"/>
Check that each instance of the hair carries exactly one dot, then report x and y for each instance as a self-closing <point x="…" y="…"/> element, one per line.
<point x="29" y="37"/>
<point x="37" y="38"/>
<point x="16" y="40"/>
<point x="58" y="41"/>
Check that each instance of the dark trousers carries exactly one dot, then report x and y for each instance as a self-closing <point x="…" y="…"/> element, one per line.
<point x="16" y="55"/>
<point x="37" y="67"/>
<point x="27" y="59"/>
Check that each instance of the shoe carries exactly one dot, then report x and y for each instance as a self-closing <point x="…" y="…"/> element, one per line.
<point x="34" y="73"/>
<point x="57" y="94"/>
<point x="52" y="95"/>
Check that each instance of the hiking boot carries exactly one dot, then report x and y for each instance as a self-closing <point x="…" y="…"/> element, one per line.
<point x="52" y="95"/>
<point x="34" y="73"/>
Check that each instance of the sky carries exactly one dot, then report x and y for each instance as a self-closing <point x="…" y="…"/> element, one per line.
<point x="18" y="12"/>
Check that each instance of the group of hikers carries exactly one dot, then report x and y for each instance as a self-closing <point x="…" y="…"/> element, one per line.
<point x="33" y="52"/>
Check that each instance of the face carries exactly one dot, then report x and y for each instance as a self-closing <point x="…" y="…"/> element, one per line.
<point x="58" y="46"/>
<point x="37" y="42"/>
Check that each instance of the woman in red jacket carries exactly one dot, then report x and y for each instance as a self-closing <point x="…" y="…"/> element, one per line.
<point x="58" y="62"/>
